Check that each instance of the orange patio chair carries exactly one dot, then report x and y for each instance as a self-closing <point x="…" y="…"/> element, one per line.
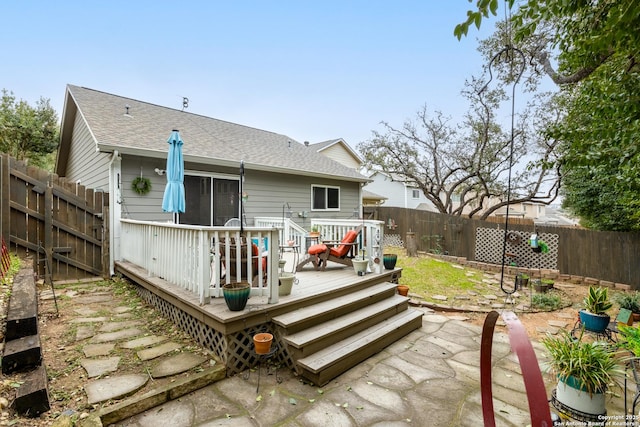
<point x="340" y="252"/>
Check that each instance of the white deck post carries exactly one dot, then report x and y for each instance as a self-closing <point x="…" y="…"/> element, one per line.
<point x="274" y="256"/>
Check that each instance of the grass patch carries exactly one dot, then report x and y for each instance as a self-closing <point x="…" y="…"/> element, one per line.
<point x="427" y="276"/>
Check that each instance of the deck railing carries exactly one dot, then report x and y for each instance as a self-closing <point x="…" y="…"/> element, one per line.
<point x="202" y="259"/>
<point x="290" y="230"/>
<point x="370" y="240"/>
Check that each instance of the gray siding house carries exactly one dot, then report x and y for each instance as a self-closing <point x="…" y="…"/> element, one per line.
<point x="108" y="140"/>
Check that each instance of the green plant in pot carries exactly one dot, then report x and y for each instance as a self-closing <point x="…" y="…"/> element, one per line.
<point x="585" y="371"/>
<point x="630" y="301"/>
<point x="522" y="280"/>
<point x="594" y="317"/>
<point x="315" y="231"/>
<point x="630" y="339"/>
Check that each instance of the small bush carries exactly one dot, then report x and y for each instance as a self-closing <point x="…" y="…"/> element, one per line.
<point x="547" y="301"/>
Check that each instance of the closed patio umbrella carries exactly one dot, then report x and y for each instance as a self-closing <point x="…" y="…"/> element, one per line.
<point x="173" y="200"/>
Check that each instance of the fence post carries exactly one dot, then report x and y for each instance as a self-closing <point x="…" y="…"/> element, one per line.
<point x="48" y="235"/>
<point x="5" y="205"/>
<point x="411" y="244"/>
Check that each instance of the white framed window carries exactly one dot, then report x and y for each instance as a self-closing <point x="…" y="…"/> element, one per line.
<point x="415" y="194"/>
<point x="325" y="198"/>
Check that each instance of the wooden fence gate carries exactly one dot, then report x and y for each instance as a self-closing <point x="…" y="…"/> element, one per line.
<point x="62" y="226"/>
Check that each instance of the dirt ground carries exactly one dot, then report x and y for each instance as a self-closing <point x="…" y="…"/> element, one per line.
<point x="62" y="352"/>
<point x="537" y="323"/>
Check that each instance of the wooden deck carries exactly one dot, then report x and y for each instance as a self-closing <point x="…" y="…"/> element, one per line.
<point x="228" y="333"/>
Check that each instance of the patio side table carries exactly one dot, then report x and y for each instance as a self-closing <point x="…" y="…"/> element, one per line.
<point x="264" y="359"/>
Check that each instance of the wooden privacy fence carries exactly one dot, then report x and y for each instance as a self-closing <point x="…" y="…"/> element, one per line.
<point x="61" y="225"/>
<point x="604" y="255"/>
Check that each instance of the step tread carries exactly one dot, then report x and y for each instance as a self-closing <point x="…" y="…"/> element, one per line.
<point x="302" y="314"/>
<point x="314" y="333"/>
<point x="334" y="353"/>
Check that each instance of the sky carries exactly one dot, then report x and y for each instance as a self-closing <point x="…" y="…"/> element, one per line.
<point x="311" y="70"/>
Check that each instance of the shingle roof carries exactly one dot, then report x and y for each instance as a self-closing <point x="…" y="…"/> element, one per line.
<point x="207" y="140"/>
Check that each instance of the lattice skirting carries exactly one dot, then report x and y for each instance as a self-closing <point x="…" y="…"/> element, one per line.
<point x="235" y="350"/>
<point x="489" y="243"/>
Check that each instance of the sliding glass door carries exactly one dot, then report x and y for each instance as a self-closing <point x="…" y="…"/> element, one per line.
<point x="210" y="200"/>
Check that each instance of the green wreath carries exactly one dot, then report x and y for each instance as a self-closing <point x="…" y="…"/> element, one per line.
<point x="141" y="185"/>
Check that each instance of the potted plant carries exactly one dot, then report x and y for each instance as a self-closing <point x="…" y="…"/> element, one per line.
<point x="594" y="317"/>
<point x="360" y="264"/>
<point x="539" y="246"/>
<point x="630" y="301"/>
<point x="542" y="285"/>
<point x="630" y="339"/>
<point x="236" y="295"/>
<point x="389" y="261"/>
<point x="285" y="283"/>
<point x="262" y="342"/>
<point x="585" y="369"/>
<point x="315" y="232"/>
<point x="522" y="280"/>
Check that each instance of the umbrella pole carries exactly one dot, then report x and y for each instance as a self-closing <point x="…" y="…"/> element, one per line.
<point x="240" y="198"/>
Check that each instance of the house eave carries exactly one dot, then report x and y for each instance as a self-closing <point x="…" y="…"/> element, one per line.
<point x="158" y="154"/>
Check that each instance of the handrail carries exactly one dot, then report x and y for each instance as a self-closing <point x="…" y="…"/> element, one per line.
<point x="193" y="257"/>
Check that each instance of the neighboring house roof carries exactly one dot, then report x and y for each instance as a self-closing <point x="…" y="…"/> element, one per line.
<point x="325" y="145"/>
<point x="140" y="128"/>
<point x="554" y="216"/>
<point x="366" y="194"/>
<point x="395" y="178"/>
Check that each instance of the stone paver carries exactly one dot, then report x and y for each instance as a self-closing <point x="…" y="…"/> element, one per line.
<point x="144" y="341"/>
<point x="89" y="320"/>
<point x="118" y="335"/>
<point x="176" y="364"/>
<point x="116" y="326"/>
<point x="97" y="367"/>
<point x="114" y="387"/>
<point x="85" y="311"/>
<point x="84" y="332"/>
<point x="153" y="352"/>
<point x="93" y="350"/>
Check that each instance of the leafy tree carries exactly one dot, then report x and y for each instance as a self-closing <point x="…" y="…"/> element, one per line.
<point x="595" y="46"/>
<point x="28" y="133"/>
<point x="466" y="169"/>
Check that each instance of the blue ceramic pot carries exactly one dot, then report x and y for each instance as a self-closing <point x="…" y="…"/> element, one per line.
<point x="389" y="261"/>
<point x="594" y="322"/>
<point x="236" y="295"/>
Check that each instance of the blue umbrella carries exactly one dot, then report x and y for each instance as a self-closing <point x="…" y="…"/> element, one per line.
<point x="173" y="200"/>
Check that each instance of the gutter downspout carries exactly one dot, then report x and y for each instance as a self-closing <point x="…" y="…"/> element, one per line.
<point x="115" y="211"/>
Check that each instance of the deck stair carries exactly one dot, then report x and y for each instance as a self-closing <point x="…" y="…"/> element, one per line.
<point x="328" y="338"/>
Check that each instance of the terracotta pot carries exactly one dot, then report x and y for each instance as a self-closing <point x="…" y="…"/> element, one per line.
<point x="262" y="342"/>
<point x="403" y="290"/>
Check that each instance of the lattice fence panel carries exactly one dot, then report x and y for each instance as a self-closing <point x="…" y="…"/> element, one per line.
<point x="489" y="248"/>
<point x="235" y="350"/>
<point x="393" y="240"/>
